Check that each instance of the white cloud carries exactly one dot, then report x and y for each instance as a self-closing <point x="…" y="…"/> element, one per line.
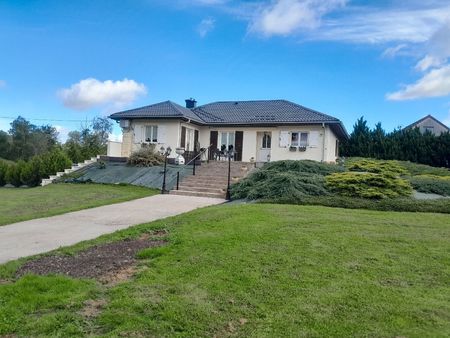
<point x="89" y="93"/>
<point x="2" y="84"/>
<point x="206" y="26"/>
<point x="427" y="62"/>
<point x="63" y="133"/>
<point x="393" y="51"/>
<point x="284" y="17"/>
<point x="115" y="137"/>
<point x="435" y="83"/>
<point x="5" y="124"/>
<point x="447" y="120"/>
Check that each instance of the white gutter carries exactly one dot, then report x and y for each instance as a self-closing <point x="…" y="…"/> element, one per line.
<point x="323" y="145"/>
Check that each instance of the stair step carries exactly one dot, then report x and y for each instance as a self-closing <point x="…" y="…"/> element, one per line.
<point x="68" y="171"/>
<point x="197" y="194"/>
<point x="205" y="184"/>
<point x="220" y="190"/>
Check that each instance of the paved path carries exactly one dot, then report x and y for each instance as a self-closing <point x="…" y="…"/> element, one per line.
<point x="46" y="234"/>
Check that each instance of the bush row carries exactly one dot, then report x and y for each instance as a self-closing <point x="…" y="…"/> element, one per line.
<point x="368" y="185"/>
<point x="441" y="205"/>
<point x="431" y="184"/>
<point x="32" y="172"/>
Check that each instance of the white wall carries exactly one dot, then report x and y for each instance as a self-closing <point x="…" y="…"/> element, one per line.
<point x="169" y="134"/>
<point x="114" y="149"/>
<point x="322" y="150"/>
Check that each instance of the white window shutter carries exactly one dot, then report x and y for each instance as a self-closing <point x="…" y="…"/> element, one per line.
<point x="162" y="134"/>
<point x="284" y="139"/>
<point x="139" y="134"/>
<point x="314" y="139"/>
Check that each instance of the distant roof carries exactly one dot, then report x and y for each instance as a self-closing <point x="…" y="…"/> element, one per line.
<point x="262" y="112"/>
<point x="423" y="119"/>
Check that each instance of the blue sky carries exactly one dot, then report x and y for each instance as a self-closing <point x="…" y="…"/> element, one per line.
<point x="62" y="62"/>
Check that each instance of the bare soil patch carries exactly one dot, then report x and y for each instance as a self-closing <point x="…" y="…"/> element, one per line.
<point x="108" y="263"/>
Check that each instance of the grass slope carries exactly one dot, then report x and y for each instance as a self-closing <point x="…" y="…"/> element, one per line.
<point x="258" y="271"/>
<point x="24" y="204"/>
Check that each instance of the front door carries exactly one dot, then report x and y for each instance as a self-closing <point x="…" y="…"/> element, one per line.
<point x="264" y="146"/>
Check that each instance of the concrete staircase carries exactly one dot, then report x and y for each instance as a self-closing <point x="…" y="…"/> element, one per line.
<point x="211" y="179"/>
<point x="75" y="167"/>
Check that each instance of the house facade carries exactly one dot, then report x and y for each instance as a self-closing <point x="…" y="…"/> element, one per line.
<point x="261" y="131"/>
<point x="430" y="124"/>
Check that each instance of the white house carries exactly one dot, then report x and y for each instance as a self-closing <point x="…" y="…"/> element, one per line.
<point x="261" y="131"/>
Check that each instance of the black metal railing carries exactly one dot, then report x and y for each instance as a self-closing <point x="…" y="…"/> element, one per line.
<point x="193" y="161"/>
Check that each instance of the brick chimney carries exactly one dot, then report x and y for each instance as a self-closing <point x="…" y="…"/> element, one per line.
<point x="191" y="103"/>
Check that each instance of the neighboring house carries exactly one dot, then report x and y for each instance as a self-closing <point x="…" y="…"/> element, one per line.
<point x="431" y="124"/>
<point x="260" y="131"/>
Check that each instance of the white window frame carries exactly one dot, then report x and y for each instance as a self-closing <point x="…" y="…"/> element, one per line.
<point x="299" y="138"/>
<point x="230" y="139"/>
<point x="153" y="130"/>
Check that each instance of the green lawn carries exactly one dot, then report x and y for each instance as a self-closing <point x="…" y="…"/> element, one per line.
<point x="23" y="204"/>
<point x="258" y="271"/>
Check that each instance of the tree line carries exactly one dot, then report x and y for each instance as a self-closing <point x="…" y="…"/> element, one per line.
<point x="34" y="152"/>
<point x="25" y="140"/>
<point x="400" y="144"/>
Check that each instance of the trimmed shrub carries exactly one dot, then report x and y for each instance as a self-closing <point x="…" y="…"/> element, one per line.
<point x="422" y="169"/>
<point x="390" y="168"/>
<point x="441" y="205"/>
<point x="13" y="175"/>
<point x="304" y="166"/>
<point x="3" y="168"/>
<point x="270" y="184"/>
<point x="30" y="173"/>
<point x="367" y="185"/>
<point x="146" y="157"/>
<point x="431" y="184"/>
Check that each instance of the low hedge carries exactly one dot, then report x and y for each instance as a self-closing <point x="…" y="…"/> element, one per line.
<point x="431" y="184"/>
<point x="32" y="172"/>
<point x="389" y="168"/>
<point x="271" y="184"/>
<point x="303" y="166"/>
<point x="441" y="205"/>
<point x="368" y="185"/>
<point x="146" y="157"/>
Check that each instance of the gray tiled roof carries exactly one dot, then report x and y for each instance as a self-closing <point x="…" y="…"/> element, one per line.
<point x="259" y="112"/>
<point x="166" y="109"/>
<point x="263" y="112"/>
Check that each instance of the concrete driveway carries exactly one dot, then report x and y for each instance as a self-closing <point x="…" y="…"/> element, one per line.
<point x="45" y="234"/>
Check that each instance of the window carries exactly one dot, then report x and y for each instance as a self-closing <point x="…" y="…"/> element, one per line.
<point x="266" y="141"/>
<point x="299" y="139"/>
<point x="151" y="134"/>
<point x="226" y="141"/>
<point x="336" y="150"/>
<point x="427" y="128"/>
<point x="190" y="139"/>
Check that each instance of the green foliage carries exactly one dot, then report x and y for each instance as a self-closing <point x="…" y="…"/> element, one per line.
<point x="389" y="168"/>
<point x="422" y="169"/>
<point x="3" y="169"/>
<point x="431" y="184"/>
<point x="12" y="175"/>
<point x="304" y="166"/>
<point x="31" y="173"/>
<point x="405" y="145"/>
<point x="402" y="204"/>
<point x="54" y="199"/>
<point x="263" y="271"/>
<point x="368" y="185"/>
<point x="285" y="178"/>
<point x="271" y="184"/>
<point x="146" y="157"/>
